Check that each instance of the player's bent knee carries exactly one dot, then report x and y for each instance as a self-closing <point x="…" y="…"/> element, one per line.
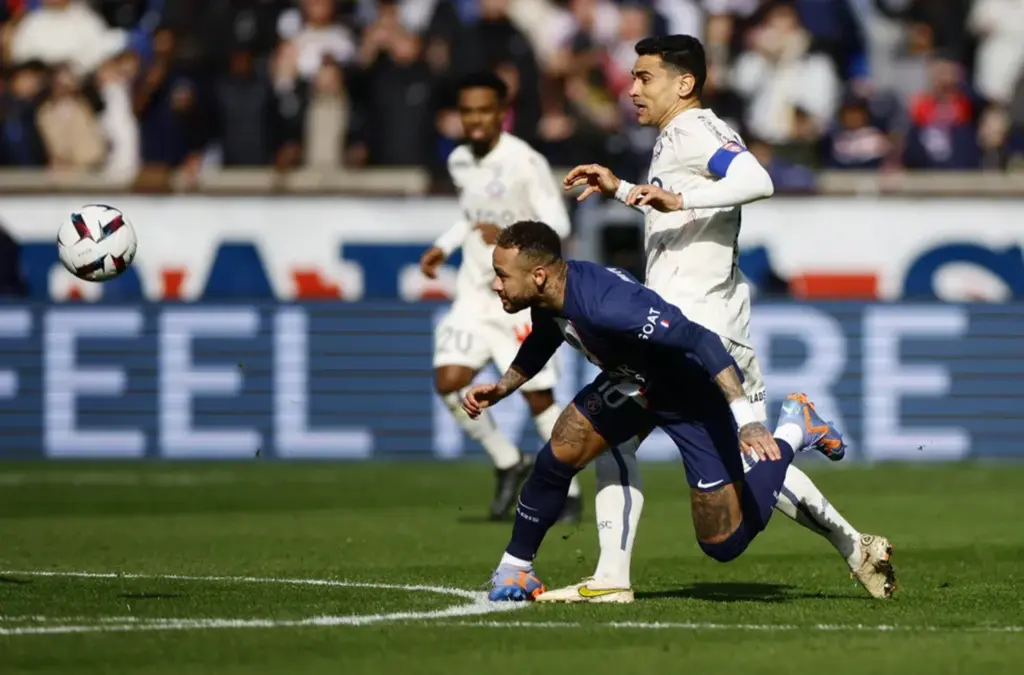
<point x="729" y="548"/>
<point x="450" y="379"/>
<point x="574" y="439"/>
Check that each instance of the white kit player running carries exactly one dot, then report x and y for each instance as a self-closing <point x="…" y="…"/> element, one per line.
<point x="700" y="176"/>
<point x="500" y="180"/>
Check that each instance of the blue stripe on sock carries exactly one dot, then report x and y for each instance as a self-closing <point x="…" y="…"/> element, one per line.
<point x="627" y="496"/>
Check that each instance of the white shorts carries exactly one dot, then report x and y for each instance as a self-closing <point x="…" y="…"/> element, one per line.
<point x="472" y="336"/>
<point x="753" y="381"/>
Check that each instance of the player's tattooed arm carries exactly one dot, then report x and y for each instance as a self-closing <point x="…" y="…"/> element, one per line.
<point x="754" y="436"/>
<point x="731" y="385"/>
<point x="512" y="380"/>
<point x="483" y="396"/>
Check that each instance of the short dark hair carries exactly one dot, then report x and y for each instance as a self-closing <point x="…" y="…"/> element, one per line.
<point x="534" y="239"/>
<point x="682" y="52"/>
<point x="483" y="80"/>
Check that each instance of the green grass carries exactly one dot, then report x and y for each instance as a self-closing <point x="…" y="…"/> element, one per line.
<point x="957" y="530"/>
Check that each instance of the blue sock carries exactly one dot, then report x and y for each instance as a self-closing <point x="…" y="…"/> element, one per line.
<point x="761" y="486"/>
<point x="540" y="503"/>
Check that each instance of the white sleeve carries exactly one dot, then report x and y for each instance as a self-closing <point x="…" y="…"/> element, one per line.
<point x="457" y="233"/>
<point x="546" y="199"/>
<point x="745" y="181"/>
<point x="453" y="237"/>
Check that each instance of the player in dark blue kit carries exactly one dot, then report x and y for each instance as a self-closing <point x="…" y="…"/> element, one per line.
<point x="658" y="368"/>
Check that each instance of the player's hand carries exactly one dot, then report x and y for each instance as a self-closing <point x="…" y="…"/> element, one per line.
<point x="597" y="178"/>
<point x="430" y="261"/>
<point x="489" y="231"/>
<point x="657" y="198"/>
<point x="482" y="396"/>
<point x="755" y="439"/>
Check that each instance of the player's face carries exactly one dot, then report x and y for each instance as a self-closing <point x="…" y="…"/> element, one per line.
<point x="515" y="280"/>
<point x="656" y="89"/>
<point x="482" y="114"/>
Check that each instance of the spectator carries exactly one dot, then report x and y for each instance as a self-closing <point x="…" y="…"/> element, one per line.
<point x="69" y="128"/>
<point x="786" y="176"/>
<point x="246" y="110"/>
<point x="61" y="31"/>
<point x="906" y="72"/>
<point x="855" y="141"/>
<point x="173" y="126"/>
<point x="942" y="130"/>
<point x="327" y="117"/>
<point x="396" y="112"/>
<point x="999" y="25"/>
<point x="835" y="30"/>
<point x="784" y="84"/>
<point x="11" y="282"/>
<point x="583" y="26"/>
<point x="21" y="145"/>
<point x="317" y="35"/>
<point x="120" y="127"/>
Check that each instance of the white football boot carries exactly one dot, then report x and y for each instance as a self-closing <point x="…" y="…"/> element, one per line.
<point x="875" y="572"/>
<point x="589" y="590"/>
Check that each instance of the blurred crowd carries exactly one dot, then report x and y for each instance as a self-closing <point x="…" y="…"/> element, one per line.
<point x="136" y="88"/>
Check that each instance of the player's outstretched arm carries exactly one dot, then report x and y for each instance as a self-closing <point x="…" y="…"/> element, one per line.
<point x="483" y="396"/>
<point x="598" y="179"/>
<point x="537" y="349"/>
<point x="443" y="247"/>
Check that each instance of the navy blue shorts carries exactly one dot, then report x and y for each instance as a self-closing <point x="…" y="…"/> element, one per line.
<point x="702" y="428"/>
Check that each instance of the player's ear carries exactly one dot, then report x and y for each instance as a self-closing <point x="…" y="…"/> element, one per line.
<point x="685" y="84"/>
<point x="540" y="275"/>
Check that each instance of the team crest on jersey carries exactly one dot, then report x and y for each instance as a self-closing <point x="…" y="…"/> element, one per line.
<point x="593" y="404"/>
<point x="657" y="148"/>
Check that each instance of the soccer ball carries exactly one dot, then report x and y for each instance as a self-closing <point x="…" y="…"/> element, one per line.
<point x="96" y="243"/>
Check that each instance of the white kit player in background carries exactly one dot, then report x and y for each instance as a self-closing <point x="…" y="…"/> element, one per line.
<point x="500" y="180"/>
<point x="700" y="176"/>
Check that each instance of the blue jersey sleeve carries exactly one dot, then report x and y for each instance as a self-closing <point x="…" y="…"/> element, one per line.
<point x="539" y="346"/>
<point x="631" y="309"/>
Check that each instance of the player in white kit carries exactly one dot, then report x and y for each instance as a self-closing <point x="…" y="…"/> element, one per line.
<point x="500" y="180"/>
<point x="700" y="176"/>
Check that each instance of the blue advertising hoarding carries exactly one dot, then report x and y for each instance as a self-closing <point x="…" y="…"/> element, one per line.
<point x="926" y="382"/>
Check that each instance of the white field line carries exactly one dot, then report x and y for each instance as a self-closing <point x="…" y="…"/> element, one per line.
<point x="478" y="604"/>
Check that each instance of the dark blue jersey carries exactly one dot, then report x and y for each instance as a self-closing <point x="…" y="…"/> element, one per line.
<point x="631" y="333"/>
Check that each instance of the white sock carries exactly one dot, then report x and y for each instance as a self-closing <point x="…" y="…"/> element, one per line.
<point x="618" y="504"/>
<point x="503" y="453"/>
<point x="801" y="500"/>
<point x="792" y="434"/>
<point x="513" y="561"/>
<point x="545" y="422"/>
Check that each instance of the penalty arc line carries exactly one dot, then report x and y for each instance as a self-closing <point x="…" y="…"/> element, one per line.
<point x="478" y="605"/>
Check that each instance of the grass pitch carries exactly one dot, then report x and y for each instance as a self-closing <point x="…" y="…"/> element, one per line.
<point x="256" y="568"/>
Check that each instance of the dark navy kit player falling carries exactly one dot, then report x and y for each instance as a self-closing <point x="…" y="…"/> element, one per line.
<point x="658" y="368"/>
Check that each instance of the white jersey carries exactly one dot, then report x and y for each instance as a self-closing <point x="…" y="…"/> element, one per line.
<point x="692" y="254"/>
<point x="512" y="182"/>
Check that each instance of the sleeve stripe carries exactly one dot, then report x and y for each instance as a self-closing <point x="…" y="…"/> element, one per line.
<point x="723" y="157"/>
